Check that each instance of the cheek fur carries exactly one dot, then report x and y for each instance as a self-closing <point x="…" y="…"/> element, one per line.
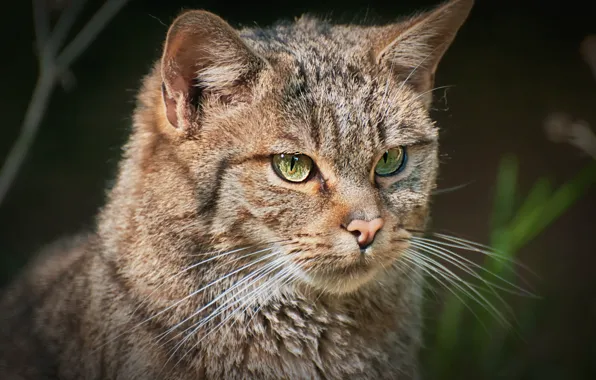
<point x="278" y="209"/>
<point x="255" y="206"/>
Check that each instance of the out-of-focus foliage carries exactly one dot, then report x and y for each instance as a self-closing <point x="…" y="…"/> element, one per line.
<point x="468" y="333"/>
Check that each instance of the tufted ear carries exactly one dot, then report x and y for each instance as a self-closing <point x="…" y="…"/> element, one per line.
<point x="204" y="56"/>
<point x="413" y="48"/>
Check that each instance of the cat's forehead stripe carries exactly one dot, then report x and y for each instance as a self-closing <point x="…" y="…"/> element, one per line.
<point x="346" y="101"/>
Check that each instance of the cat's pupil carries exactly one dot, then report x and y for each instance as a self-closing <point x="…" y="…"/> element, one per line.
<point x="385" y="156"/>
<point x="293" y="162"/>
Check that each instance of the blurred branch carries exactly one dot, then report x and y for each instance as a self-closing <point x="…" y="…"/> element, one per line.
<point x="53" y="66"/>
<point x="588" y="52"/>
<point x="560" y="127"/>
<point x="41" y="21"/>
<point x="89" y="32"/>
<point x="63" y="27"/>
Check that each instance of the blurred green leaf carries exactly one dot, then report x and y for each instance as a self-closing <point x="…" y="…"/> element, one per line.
<point x="511" y="231"/>
<point x="447" y="330"/>
<point x="506" y="189"/>
<point x="536" y="220"/>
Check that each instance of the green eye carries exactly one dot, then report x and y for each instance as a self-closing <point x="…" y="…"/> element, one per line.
<point x="392" y="162"/>
<point x="292" y="167"/>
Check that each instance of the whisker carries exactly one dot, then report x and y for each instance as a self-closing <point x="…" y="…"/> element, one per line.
<point x="426" y="268"/>
<point x="429" y="91"/>
<point x="203" y="308"/>
<point x="179" y="301"/>
<point x="284" y="275"/>
<point x="196" y="326"/>
<point x="226" y="306"/>
<point x="463" y="246"/>
<point x="215" y="281"/>
<point x="223" y="254"/>
<point x="457" y="259"/>
<point x="194" y="293"/>
<point x="212" y="331"/>
<point x="201" y="263"/>
<point x="480" y="248"/>
<point x="406" y="273"/>
<point x="468" y="243"/>
<point x="451" y="189"/>
<point x="465" y="268"/>
<point x="264" y="243"/>
<point x="293" y="276"/>
<point x="448" y="274"/>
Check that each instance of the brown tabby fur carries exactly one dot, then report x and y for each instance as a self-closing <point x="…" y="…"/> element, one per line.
<point x="196" y="180"/>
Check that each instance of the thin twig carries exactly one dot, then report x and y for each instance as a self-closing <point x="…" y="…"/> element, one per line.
<point x="63" y="27"/>
<point x="588" y="52"/>
<point x="37" y="105"/>
<point x="560" y="127"/>
<point x="41" y="21"/>
<point x="35" y="111"/>
<point x="51" y="70"/>
<point x="89" y="32"/>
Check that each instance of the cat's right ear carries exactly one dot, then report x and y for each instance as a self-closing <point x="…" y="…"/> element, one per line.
<point x="204" y="56"/>
<point x="413" y="48"/>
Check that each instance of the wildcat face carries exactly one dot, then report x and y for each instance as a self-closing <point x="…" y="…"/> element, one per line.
<point x="341" y="95"/>
<point x="345" y="132"/>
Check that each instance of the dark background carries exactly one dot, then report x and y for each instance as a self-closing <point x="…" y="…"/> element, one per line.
<point x="512" y="64"/>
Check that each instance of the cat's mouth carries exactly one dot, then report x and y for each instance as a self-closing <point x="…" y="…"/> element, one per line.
<point x="345" y="273"/>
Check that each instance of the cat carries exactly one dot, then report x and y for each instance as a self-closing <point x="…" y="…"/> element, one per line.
<point x="262" y="209"/>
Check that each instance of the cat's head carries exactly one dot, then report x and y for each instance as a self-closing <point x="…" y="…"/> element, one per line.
<point x="309" y="138"/>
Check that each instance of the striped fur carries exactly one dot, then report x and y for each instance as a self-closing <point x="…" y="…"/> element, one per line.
<point x="196" y="183"/>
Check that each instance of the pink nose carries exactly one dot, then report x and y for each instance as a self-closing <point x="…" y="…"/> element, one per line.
<point x="365" y="230"/>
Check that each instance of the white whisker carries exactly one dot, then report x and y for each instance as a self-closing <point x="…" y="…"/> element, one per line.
<point x="461" y="261"/>
<point x="248" y="298"/>
<point x="213" y="283"/>
<point x="429" y="91"/>
<point x="203" y="308"/>
<point x="426" y="268"/>
<point x="453" y="260"/>
<point x="475" y="294"/>
<point x="179" y="301"/>
<point x="480" y="248"/>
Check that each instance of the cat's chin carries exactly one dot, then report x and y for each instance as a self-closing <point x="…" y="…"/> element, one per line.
<point x="340" y="281"/>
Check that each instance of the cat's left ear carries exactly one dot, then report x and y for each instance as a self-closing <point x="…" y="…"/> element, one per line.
<point x="413" y="48"/>
<point x="204" y="57"/>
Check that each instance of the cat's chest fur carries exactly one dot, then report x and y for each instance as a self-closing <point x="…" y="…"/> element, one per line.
<point x="297" y="338"/>
<point x="372" y="334"/>
<point x="300" y="337"/>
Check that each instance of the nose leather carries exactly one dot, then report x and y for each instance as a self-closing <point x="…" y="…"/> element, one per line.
<point x="366" y="229"/>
